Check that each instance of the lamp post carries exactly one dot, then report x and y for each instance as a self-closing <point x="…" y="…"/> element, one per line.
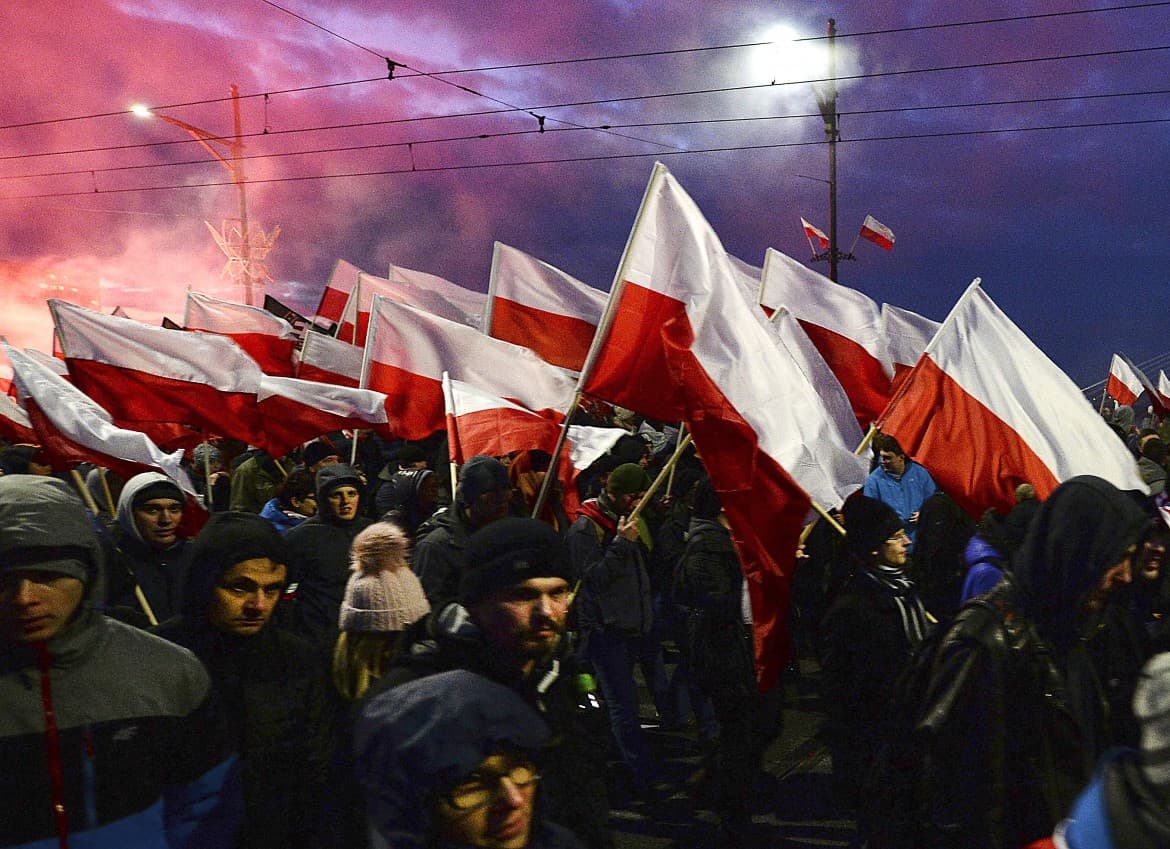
<point x="234" y="163"/>
<point x="827" y="102"/>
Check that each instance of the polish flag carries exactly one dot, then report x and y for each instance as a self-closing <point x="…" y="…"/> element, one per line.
<point x="533" y="304"/>
<point x="985" y="410"/>
<point x="479" y="422"/>
<point x="74" y="429"/>
<point x="327" y="360"/>
<point x="442" y="297"/>
<point x="341" y="282"/>
<point x="844" y="324"/>
<point x="813" y="233"/>
<point x="265" y="338"/>
<point x="878" y="233"/>
<point x="1147" y="385"/>
<point x="907" y="334"/>
<point x="14" y="423"/>
<point x="407" y="351"/>
<point x="679" y="342"/>
<point x="1123" y="386"/>
<point x="1164" y="389"/>
<point x="296" y="411"/>
<point x="54" y="364"/>
<point x="150" y="376"/>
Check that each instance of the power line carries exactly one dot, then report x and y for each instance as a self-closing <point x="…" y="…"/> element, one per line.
<point x="599" y="158"/>
<point x="631" y="125"/>
<point x="554" y="62"/>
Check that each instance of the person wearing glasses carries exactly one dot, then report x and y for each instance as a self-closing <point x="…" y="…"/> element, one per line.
<point x="452" y="761"/>
<point x="868" y="635"/>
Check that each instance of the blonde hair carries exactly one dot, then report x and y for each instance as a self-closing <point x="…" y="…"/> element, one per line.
<point x="360" y="658"/>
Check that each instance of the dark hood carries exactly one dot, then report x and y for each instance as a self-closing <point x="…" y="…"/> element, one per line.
<point x="1079" y="533"/>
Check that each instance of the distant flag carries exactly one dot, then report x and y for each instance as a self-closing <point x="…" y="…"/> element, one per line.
<point x="440" y="296"/>
<point x="531" y="303"/>
<point x="72" y="428"/>
<point x="1164" y="389"/>
<point x="679" y="342"/>
<point x="327" y="360"/>
<point x="843" y="323"/>
<point x="298" y="322"/>
<point x="1124" y="384"/>
<point x="1146" y="384"/>
<point x="407" y="351"/>
<point x="341" y="282"/>
<point x="985" y="410"/>
<point x="814" y="234"/>
<point x="422" y="291"/>
<point x="876" y="232"/>
<point x="266" y="338"/>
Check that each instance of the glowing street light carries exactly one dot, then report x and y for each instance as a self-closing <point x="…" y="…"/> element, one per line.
<point x="234" y="164"/>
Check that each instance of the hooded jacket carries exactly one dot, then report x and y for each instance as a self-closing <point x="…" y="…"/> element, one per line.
<point x="319" y="559"/>
<point x="144" y="757"/>
<point x="615" y="584"/>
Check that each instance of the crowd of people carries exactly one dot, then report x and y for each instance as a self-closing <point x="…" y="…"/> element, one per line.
<point x="352" y="652"/>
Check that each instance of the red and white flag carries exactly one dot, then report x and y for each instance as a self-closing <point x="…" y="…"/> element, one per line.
<point x="678" y="342"/>
<point x="814" y="234"/>
<point x="146" y="376"/>
<point x="14" y="423"/>
<point x="265" y="338"/>
<point x="985" y="410"/>
<point x="341" y="282"/>
<point x="844" y="324"/>
<point x="54" y="364"/>
<point x="71" y="428"/>
<point x="907" y="334"/>
<point x="295" y="411"/>
<point x="1164" y="389"/>
<point x="440" y="296"/>
<point x="875" y="231"/>
<point x="327" y="360"/>
<point x="1124" y="384"/>
<point x="533" y="304"/>
<point x="407" y="351"/>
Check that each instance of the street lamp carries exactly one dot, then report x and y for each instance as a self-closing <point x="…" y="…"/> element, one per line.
<point x="234" y="163"/>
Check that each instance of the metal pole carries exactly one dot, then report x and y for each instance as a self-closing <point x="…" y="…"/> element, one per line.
<point x="829" y="114"/>
<point x="237" y="148"/>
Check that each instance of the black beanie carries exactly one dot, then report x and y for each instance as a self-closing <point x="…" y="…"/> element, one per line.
<point x="317" y="451"/>
<point x="480" y="474"/>
<point x="868" y="524"/>
<point x="231" y="537"/>
<point x="158" y="489"/>
<point x="509" y="551"/>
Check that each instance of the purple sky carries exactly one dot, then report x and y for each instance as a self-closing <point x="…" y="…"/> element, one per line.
<point x="1067" y="227"/>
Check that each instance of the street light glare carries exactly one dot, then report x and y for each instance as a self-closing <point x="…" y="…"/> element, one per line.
<point x="789" y="59"/>
<point x="141" y="111"/>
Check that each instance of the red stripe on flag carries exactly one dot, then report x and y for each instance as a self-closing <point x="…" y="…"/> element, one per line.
<point x="976" y="457"/>
<point x="559" y="339"/>
<point x="308" y="371"/>
<point x="271" y="353"/>
<point x="861" y="374"/>
<point x="414" y="403"/>
<point x="1119" y="392"/>
<point x="332" y="304"/>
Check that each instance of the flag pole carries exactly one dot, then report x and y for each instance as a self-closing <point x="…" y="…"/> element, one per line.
<point x="682" y="426"/>
<point x="546" y="484"/>
<point x="106" y="490"/>
<point x="682" y="446"/>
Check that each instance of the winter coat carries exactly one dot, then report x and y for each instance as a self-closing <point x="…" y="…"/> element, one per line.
<point x="615" y="586"/>
<point x="144" y="755"/>
<point x="254" y="483"/>
<point x="574" y="785"/>
<point x="283" y="520"/>
<point x="985" y="565"/>
<point x="439" y="556"/>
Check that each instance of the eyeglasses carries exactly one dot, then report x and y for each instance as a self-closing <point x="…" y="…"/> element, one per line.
<point x="484" y="785"/>
<point x="900" y="536"/>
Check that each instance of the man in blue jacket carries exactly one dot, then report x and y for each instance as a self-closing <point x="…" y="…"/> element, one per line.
<point x="899" y="482"/>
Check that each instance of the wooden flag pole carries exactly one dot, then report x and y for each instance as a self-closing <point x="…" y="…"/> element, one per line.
<point x="682" y="446"/>
<point x="546" y="484"/>
<point x="109" y="494"/>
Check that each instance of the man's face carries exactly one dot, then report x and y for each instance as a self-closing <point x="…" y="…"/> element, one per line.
<point x="527" y="619"/>
<point x="893" y="550"/>
<point x="491" y="808"/>
<point x="35" y="605"/>
<point x="489" y="506"/>
<point x="306" y="506"/>
<point x="158" y="520"/>
<point x="244" y="597"/>
<point x="625" y="504"/>
<point x="1115" y="577"/>
<point x="343" y="502"/>
<point x="1150" y="559"/>
<point x="893" y="463"/>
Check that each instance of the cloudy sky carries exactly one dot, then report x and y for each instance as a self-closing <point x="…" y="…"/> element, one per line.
<point x="1028" y="152"/>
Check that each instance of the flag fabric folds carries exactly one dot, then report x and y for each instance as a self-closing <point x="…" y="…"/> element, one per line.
<point x="341" y="282"/>
<point x="844" y="324"/>
<point x="985" y="410"/>
<point x="1126" y="382"/>
<point x="264" y="337"/>
<point x="907" y="334"/>
<point x="531" y="303"/>
<point x="1163" y="389"/>
<point x="149" y="376"/>
<point x="814" y="234"/>
<point x="678" y="342"/>
<point x="440" y="296"/>
<point x="74" y="429"/>
<point x="407" y="351"/>
<point x="295" y="411"/>
<point x="874" y="231"/>
<point x="14" y="423"/>
<point x="327" y="360"/>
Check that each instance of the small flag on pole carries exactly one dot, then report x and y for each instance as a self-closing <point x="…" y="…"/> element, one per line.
<point x="878" y="233"/>
<point x="812" y="233"/>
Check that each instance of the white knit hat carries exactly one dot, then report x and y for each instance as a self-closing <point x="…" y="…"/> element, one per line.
<point x="382" y="594"/>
